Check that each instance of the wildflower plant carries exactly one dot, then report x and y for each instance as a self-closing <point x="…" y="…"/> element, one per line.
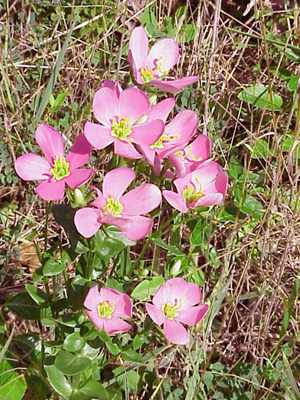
<point x="161" y="171"/>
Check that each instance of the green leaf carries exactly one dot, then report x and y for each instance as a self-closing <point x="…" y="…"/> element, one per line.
<point x="12" y="385"/>
<point x="56" y="103"/>
<point x="91" y="390"/>
<point x="200" y="234"/>
<point x="290" y="143"/>
<point x="252" y="207"/>
<point x="54" y="267"/>
<point x="36" y="294"/>
<point x="109" y="243"/>
<point x="73" y="342"/>
<point x="147" y="288"/>
<point x="113" y="348"/>
<point x="71" y="364"/>
<point x="261" y="97"/>
<point x="261" y="149"/>
<point x="188" y="33"/>
<point x="58" y="381"/>
<point x="173" y="250"/>
<point x="23" y="305"/>
<point x="293" y="83"/>
<point x="149" y="21"/>
<point x="54" y="75"/>
<point x="128" y="379"/>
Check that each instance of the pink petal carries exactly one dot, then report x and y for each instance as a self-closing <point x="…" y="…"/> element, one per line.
<point x="183" y="126"/>
<point x="31" y="167"/>
<point x="134" y="228"/>
<point x="134" y="70"/>
<point x="192" y="315"/>
<point x="114" y="85"/>
<point x="50" y="141"/>
<point x="141" y="200"/>
<point x="211" y="199"/>
<point x="221" y="182"/>
<point x="92" y="298"/>
<point x="78" y="177"/>
<point x="99" y="202"/>
<point x="148" y="133"/>
<point x="179" y="164"/>
<point x="174" y="86"/>
<point x="105" y="105"/>
<point x="87" y="221"/>
<point x="98" y="136"/>
<point x="199" y="149"/>
<point x="51" y="190"/>
<point x="116" y="325"/>
<point x="148" y="153"/>
<point x="157" y="165"/>
<point x="95" y="319"/>
<point x="133" y="103"/>
<point x="155" y="314"/>
<point x="162" y="109"/>
<point x="117" y="181"/>
<point x="80" y="152"/>
<point x="120" y="300"/>
<point x="138" y="46"/>
<point x="181" y="183"/>
<point x="175" y="332"/>
<point x="175" y="200"/>
<point x="126" y="150"/>
<point x="165" y="52"/>
<point x="177" y="290"/>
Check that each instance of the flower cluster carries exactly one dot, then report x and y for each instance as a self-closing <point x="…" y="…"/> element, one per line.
<point x="175" y="304"/>
<point x="138" y="128"/>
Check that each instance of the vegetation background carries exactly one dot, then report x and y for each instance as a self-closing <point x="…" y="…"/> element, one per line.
<point x="246" y="254"/>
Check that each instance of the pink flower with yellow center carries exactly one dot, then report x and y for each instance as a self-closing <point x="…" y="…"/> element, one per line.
<point x="177" y="133"/>
<point x="190" y="157"/>
<point x="152" y="67"/>
<point x="107" y="310"/>
<point x="55" y="170"/>
<point x="113" y="207"/>
<point x="121" y="114"/>
<point x="206" y="186"/>
<point x="175" y="304"/>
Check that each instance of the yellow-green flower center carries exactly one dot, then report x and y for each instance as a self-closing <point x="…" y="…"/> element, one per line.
<point x="113" y="207"/>
<point x="180" y="154"/>
<point x="191" y="195"/>
<point x="105" y="309"/>
<point x="162" y="140"/>
<point x="121" y="128"/>
<point x="61" y="168"/>
<point x="147" y="74"/>
<point x="170" y="310"/>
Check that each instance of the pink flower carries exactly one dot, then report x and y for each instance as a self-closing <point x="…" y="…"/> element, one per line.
<point x="120" y="113"/>
<point x="175" y="304"/>
<point x="55" y="170"/>
<point x="153" y="66"/>
<point x="190" y="157"/>
<point x="206" y="186"/>
<point x="176" y="135"/>
<point x="107" y="308"/>
<point x="126" y="211"/>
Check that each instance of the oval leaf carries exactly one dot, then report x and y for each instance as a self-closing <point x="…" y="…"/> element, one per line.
<point x="71" y="364"/>
<point x="261" y="97"/>
<point x="147" y="288"/>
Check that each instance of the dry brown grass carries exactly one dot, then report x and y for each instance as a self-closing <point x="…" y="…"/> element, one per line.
<point x="261" y="264"/>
